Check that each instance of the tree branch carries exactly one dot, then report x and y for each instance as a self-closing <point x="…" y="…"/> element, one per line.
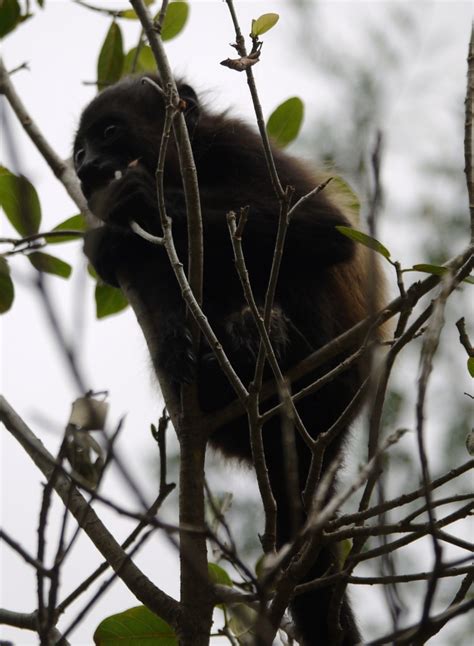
<point x="149" y="594"/>
<point x="61" y="169"/>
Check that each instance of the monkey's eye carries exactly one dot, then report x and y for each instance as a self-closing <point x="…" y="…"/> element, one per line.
<point x="109" y="131"/>
<point x="79" y="156"/>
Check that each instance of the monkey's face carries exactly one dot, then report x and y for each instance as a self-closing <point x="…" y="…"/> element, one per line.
<point x="121" y="129"/>
<point x="118" y="130"/>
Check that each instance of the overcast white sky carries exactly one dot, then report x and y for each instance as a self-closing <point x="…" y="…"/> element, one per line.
<point x="61" y="45"/>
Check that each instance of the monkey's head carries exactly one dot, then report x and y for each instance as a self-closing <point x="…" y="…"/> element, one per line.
<point x="122" y="127"/>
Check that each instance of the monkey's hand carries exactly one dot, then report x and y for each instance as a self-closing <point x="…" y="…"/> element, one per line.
<point x="113" y="245"/>
<point x="132" y="196"/>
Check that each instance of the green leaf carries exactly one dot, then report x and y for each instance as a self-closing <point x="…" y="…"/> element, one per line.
<point x="260" y="566"/>
<point x="470" y="366"/>
<point x="364" y="239"/>
<point x="175" y="20"/>
<point x="145" y="61"/>
<point x="437" y="270"/>
<point x="263" y="24"/>
<point x="9" y="16"/>
<point x="7" y="291"/>
<point x="25" y="17"/>
<point x="109" y="300"/>
<point x="217" y="574"/>
<point x="344" y="190"/>
<point x="285" y="122"/>
<point x="40" y="3"/>
<point x="130" y="13"/>
<point x="92" y="272"/>
<point x="135" y="627"/>
<point x="343" y="550"/>
<point x="19" y="200"/>
<point x="242" y="621"/>
<point x="75" y="223"/>
<point x="50" y="264"/>
<point x="111" y="58"/>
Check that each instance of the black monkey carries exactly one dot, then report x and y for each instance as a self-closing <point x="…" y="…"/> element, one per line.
<point x="321" y="288"/>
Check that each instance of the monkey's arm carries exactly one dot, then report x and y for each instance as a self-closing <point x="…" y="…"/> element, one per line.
<point x="115" y="250"/>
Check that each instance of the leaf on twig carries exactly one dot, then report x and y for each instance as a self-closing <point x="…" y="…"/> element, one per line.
<point x="470" y="366"/>
<point x="343" y="550"/>
<point x="130" y="14"/>
<point x="144" y="63"/>
<point x="175" y="20"/>
<point x="19" y="200"/>
<point x="242" y="622"/>
<point x="285" y="121"/>
<point x="9" y="16"/>
<point x="111" y="58"/>
<point x="109" y="300"/>
<point x="263" y="24"/>
<point x="217" y="574"/>
<point x="436" y="270"/>
<point x="74" y="223"/>
<point x="7" y="291"/>
<point x="366" y="240"/>
<point x="134" y="626"/>
<point x="50" y="264"/>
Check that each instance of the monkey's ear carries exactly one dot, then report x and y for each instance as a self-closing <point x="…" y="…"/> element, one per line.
<point x="191" y="109"/>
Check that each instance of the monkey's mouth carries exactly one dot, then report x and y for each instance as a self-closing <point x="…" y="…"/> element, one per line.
<point x="102" y="180"/>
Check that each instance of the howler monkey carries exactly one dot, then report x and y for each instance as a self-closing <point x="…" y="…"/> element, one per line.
<point x="321" y="289"/>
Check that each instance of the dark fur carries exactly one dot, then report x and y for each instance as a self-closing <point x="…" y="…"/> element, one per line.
<point x="320" y="292"/>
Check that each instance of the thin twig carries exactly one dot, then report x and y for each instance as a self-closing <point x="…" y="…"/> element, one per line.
<point x="325" y="581"/>
<point x="433" y="626"/>
<point x="28" y="621"/>
<point x="429" y="348"/>
<point x="464" y="338"/>
<point x="127" y="542"/>
<point x="17" y="242"/>
<point x="400" y="501"/>
<point x="61" y="169"/>
<point x="38" y="565"/>
<point x="105" y="585"/>
<point x="468" y="131"/>
<point x="149" y="594"/>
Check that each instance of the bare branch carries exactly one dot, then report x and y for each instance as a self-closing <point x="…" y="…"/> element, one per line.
<point x="61" y="169"/>
<point x="28" y="621"/>
<point x="38" y="565"/>
<point x="150" y="595"/>
<point x="400" y="500"/>
<point x="380" y="580"/>
<point x="240" y="46"/>
<point x="468" y="130"/>
<point x="186" y="159"/>
<point x="433" y="626"/>
<point x="464" y="338"/>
